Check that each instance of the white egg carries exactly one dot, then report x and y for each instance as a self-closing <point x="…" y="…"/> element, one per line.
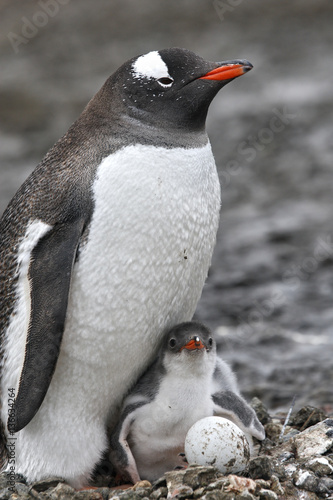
<point x="219" y="442"/>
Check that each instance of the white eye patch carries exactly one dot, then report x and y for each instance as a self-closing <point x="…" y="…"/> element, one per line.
<point x="151" y="65"/>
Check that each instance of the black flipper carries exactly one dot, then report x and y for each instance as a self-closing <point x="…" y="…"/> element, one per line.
<point x="234" y="407"/>
<point x="50" y="272"/>
<point x="120" y="453"/>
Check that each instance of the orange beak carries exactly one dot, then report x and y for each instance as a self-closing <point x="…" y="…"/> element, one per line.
<point x="193" y="344"/>
<point x="228" y="71"/>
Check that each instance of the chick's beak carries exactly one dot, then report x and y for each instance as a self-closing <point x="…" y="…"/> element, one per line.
<point x="193" y="344"/>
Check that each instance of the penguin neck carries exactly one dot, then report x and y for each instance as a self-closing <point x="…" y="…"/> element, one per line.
<point x="148" y="131"/>
<point x="115" y="122"/>
<point x="196" y="365"/>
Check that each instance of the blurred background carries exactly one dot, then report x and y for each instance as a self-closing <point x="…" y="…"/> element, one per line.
<point x="269" y="292"/>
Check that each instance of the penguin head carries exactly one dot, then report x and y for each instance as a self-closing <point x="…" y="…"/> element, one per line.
<point x="190" y="337"/>
<point x="172" y="88"/>
<point x="190" y="344"/>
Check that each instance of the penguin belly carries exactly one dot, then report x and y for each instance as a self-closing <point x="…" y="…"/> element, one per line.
<point x="140" y="270"/>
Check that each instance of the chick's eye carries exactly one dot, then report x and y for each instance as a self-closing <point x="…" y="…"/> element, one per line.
<point x="210" y="341"/>
<point x="165" y="81"/>
<point x="172" y="342"/>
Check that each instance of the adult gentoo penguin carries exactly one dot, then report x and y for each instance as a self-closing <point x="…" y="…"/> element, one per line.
<point x="105" y="247"/>
<point x="187" y="382"/>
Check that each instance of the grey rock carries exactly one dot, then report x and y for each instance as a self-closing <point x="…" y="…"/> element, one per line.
<point x="5" y="493"/>
<point x="217" y="485"/>
<point x="285" y="456"/>
<point x="217" y="495"/>
<point x="325" y="485"/>
<point x="280" y="471"/>
<point x="321" y="466"/>
<point x="193" y="477"/>
<point x="113" y="495"/>
<point x="143" y="488"/>
<point x="182" y="491"/>
<point x="184" y="482"/>
<point x="104" y="492"/>
<point x="245" y="495"/>
<point x="260" y="467"/>
<point x="315" y="440"/>
<point x="174" y="480"/>
<point x="293" y="493"/>
<point x="16" y="496"/>
<point x="22" y="489"/>
<point x="47" y="483"/>
<point x="276" y="486"/>
<point x="87" y="495"/>
<point x="3" y="481"/>
<point x="267" y="495"/>
<point x="159" y="493"/>
<point x="273" y="430"/>
<point x="306" y="480"/>
<point x="124" y="495"/>
<point x="266" y="446"/>
<point x="290" y="433"/>
<point x="199" y="493"/>
<point x="61" y="492"/>
<point x="290" y="470"/>
<point x="34" y="494"/>
<point x="308" y="416"/>
<point x="196" y="476"/>
<point x="262" y="483"/>
<point x="261" y="410"/>
<point x="143" y="492"/>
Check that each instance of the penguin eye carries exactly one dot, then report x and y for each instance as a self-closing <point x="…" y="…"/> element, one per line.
<point x="172" y="343"/>
<point x="210" y="341"/>
<point x="165" y="81"/>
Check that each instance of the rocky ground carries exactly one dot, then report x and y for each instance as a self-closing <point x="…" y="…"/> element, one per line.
<point x="293" y="462"/>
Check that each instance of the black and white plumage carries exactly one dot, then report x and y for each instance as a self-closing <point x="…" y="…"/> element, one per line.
<point x="187" y="382"/>
<point x="105" y="247"/>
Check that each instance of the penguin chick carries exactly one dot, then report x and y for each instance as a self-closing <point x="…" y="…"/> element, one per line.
<point x="186" y="383"/>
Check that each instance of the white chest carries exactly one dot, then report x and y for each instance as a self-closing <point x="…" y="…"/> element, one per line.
<point x="158" y="433"/>
<point x="147" y="256"/>
<point x="180" y="403"/>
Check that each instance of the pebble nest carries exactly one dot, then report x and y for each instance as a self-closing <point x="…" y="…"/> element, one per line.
<point x="295" y="461"/>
